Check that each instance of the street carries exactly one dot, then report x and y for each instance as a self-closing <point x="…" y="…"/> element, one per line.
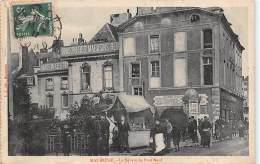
<point x="235" y="147"/>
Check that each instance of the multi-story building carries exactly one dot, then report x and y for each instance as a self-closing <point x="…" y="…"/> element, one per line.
<point x="166" y="51"/>
<point x="68" y="73"/>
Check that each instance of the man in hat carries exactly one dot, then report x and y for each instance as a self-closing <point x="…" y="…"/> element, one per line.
<point x="205" y="132"/>
<point x="193" y="129"/>
<point x="123" y="128"/>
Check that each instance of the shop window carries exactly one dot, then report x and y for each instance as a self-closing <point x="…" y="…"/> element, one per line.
<point x="30" y="81"/>
<point x="64" y="82"/>
<point x="138" y="90"/>
<point x="207" y="71"/>
<point x="207" y="38"/>
<point x="65" y="100"/>
<point x="180" y="42"/>
<point x="155" y="81"/>
<point x="108" y="77"/>
<point x="154" y="43"/>
<point x="135" y="70"/>
<point x="49" y="100"/>
<point x="85" y="80"/>
<point x="49" y="84"/>
<point x="129" y="46"/>
<point x="180" y="72"/>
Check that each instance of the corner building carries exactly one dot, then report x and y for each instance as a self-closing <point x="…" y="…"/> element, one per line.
<point x="165" y="51"/>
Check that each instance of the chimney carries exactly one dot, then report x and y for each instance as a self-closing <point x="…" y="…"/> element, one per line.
<point x="25" y="58"/>
<point x="117" y="19"/>
<point x="81" y="40"/>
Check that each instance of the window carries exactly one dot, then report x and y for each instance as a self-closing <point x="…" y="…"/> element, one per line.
<point x="194" y="18"/>
<point x="65" y="100"/>
<point x="37" y="62"/>
<point x="30" y="81"/>
<point x="207" y="38"/>
<point x="154" y="43"/>
<point x="207" y="71"/>
<point x="108" y="77"/>
<point x="155" y="69"/>
<point x="129" y="46"/>
<point x="49" y="100"/>
<point x="155" y="81"/>
<point x="138" y="90"/>
<point x="43" y="60"/>
<point x="179" y="41"/>
<point x="135" y="71"/>
<point x="180" y="72"/>
<point x="64" y="82"/>
<point x="49" y="84"/>
<point x="86" y="71"/>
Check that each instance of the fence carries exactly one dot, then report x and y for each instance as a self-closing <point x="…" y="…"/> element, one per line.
<point x="78" y="143"/>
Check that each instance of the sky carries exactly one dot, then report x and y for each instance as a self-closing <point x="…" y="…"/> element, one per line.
<point x="88" y="20"/>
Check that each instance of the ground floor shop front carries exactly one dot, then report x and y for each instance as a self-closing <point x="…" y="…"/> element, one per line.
<point x="213" y="102"/>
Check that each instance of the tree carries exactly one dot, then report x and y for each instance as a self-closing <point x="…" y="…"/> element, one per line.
<point x="22" y="114"/>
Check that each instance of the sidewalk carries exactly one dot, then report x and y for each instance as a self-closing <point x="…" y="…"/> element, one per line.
<point x="147" y="150"/>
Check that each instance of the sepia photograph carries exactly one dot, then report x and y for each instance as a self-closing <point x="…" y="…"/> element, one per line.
<point x="127" y="80"/>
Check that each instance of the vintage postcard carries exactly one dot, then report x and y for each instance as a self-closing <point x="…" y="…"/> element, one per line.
<point x="116" y="82"/>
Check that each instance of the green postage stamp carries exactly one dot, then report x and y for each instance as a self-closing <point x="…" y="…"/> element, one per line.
<point x="33" y="20"/>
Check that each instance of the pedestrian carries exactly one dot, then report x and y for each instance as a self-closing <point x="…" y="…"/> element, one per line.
<point x="205" y="132"/>
<point x="193" y="129"/>
<point x="176" y="134"/>
<point x="168" y="133"/>
<point x="98" y="134"/>
<point x="156" y="135"/>
<point x="66" y="140"/>
<point x="123" y="128"/>
<point x="93" y="135"/>
<point x="104" y="135"/>
<point x="115" y="137"/>
<point x="189" y="128"/>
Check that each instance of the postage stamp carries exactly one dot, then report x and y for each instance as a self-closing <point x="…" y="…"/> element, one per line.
<point x="128" y="82"/>
<point x="32" y="20"/>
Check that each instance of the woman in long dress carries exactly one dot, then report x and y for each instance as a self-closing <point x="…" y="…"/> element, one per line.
<point x="205" y="132"/>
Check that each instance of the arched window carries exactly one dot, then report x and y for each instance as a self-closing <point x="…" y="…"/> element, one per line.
<point x="85" y="76"/>
<point x="108" y="75"/>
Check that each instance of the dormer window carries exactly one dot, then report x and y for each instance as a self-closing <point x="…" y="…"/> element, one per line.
<point x="194" y="18"/>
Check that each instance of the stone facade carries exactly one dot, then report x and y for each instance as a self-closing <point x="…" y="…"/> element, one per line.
<point x="180" y="34"/>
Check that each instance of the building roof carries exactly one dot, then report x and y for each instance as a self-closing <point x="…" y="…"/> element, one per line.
<point x="107" y="33"/>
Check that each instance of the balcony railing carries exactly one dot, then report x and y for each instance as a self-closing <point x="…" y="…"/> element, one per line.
<point x="49" y="67"/>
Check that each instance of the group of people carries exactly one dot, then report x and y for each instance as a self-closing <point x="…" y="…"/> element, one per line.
<point x="120" y="136"/>
<point x="224" y="129"/>
<point x="171" y="132"/>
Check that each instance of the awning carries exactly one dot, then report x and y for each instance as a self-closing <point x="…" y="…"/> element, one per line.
<point x="132" y="104"/>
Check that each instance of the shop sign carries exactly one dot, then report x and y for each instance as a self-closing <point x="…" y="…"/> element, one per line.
<point x="90" y="49"/>
<point x="176" y="100"/>
<point x="168" y="100"/>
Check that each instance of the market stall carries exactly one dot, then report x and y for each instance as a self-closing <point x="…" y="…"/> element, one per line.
<point x="139" y="115"/>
